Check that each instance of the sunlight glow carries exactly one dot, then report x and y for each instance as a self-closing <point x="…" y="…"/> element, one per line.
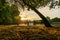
<point x="22" y="18"/>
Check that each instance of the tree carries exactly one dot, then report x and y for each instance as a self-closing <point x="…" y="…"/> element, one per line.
<point x="15" y="13"/>
<point x="34" y="4"/>
<point x="8" y="14"/>
<point x="5" y="12"/>
<point x="34" y="22"/>
<point x="48" y="18"/>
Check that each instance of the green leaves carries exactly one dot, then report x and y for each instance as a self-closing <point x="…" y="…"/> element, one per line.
<point x="15" y="11"/>
<point x="7" y="13"/>
<point x="38" y="3"/>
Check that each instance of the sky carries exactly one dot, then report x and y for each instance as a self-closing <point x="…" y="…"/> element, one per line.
<point x="31" y="15"/>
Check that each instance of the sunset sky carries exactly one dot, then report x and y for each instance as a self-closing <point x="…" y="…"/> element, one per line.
<point x="31" y="15"/>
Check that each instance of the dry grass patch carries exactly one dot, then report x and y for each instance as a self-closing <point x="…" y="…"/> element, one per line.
<point x="28" y="33"/>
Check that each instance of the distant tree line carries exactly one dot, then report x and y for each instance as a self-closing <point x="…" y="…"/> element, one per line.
<point x="51" y="21"/>
<point x="56" y="20"/>
<point x="9" y="14"/>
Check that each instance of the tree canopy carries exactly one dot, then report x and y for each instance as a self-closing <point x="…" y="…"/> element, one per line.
<point x="8" y="14"/>
<point x="37" y="3"/>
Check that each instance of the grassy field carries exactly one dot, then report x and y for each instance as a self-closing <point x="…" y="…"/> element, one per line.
<point x="13" y="32"/>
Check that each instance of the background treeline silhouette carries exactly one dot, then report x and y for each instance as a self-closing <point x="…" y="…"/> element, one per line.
<point x="51" y="21"/>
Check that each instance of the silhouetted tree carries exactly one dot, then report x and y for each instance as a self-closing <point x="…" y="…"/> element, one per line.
<point x="34" y="4"/>
<point x="56" y="19"/>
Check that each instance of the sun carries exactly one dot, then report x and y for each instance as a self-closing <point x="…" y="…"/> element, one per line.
<point x="25" y="17"/>
<point x="22" y="18"/>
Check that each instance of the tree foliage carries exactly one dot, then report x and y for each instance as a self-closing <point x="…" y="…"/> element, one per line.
<point x="37" y="3"/>
<point x="34" y="3"/>
<point x="7" y="13"/>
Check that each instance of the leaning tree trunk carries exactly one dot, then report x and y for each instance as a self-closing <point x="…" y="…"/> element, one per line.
<point x="45" y="21"/>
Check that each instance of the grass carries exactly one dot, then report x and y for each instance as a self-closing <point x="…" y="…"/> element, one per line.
<point x="13" y="32"/>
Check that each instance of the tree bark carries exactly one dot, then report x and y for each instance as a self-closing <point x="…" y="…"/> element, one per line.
<point x="45" y="21"/>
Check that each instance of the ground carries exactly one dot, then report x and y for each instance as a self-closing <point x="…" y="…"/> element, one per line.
<point x="35" y="32"/>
